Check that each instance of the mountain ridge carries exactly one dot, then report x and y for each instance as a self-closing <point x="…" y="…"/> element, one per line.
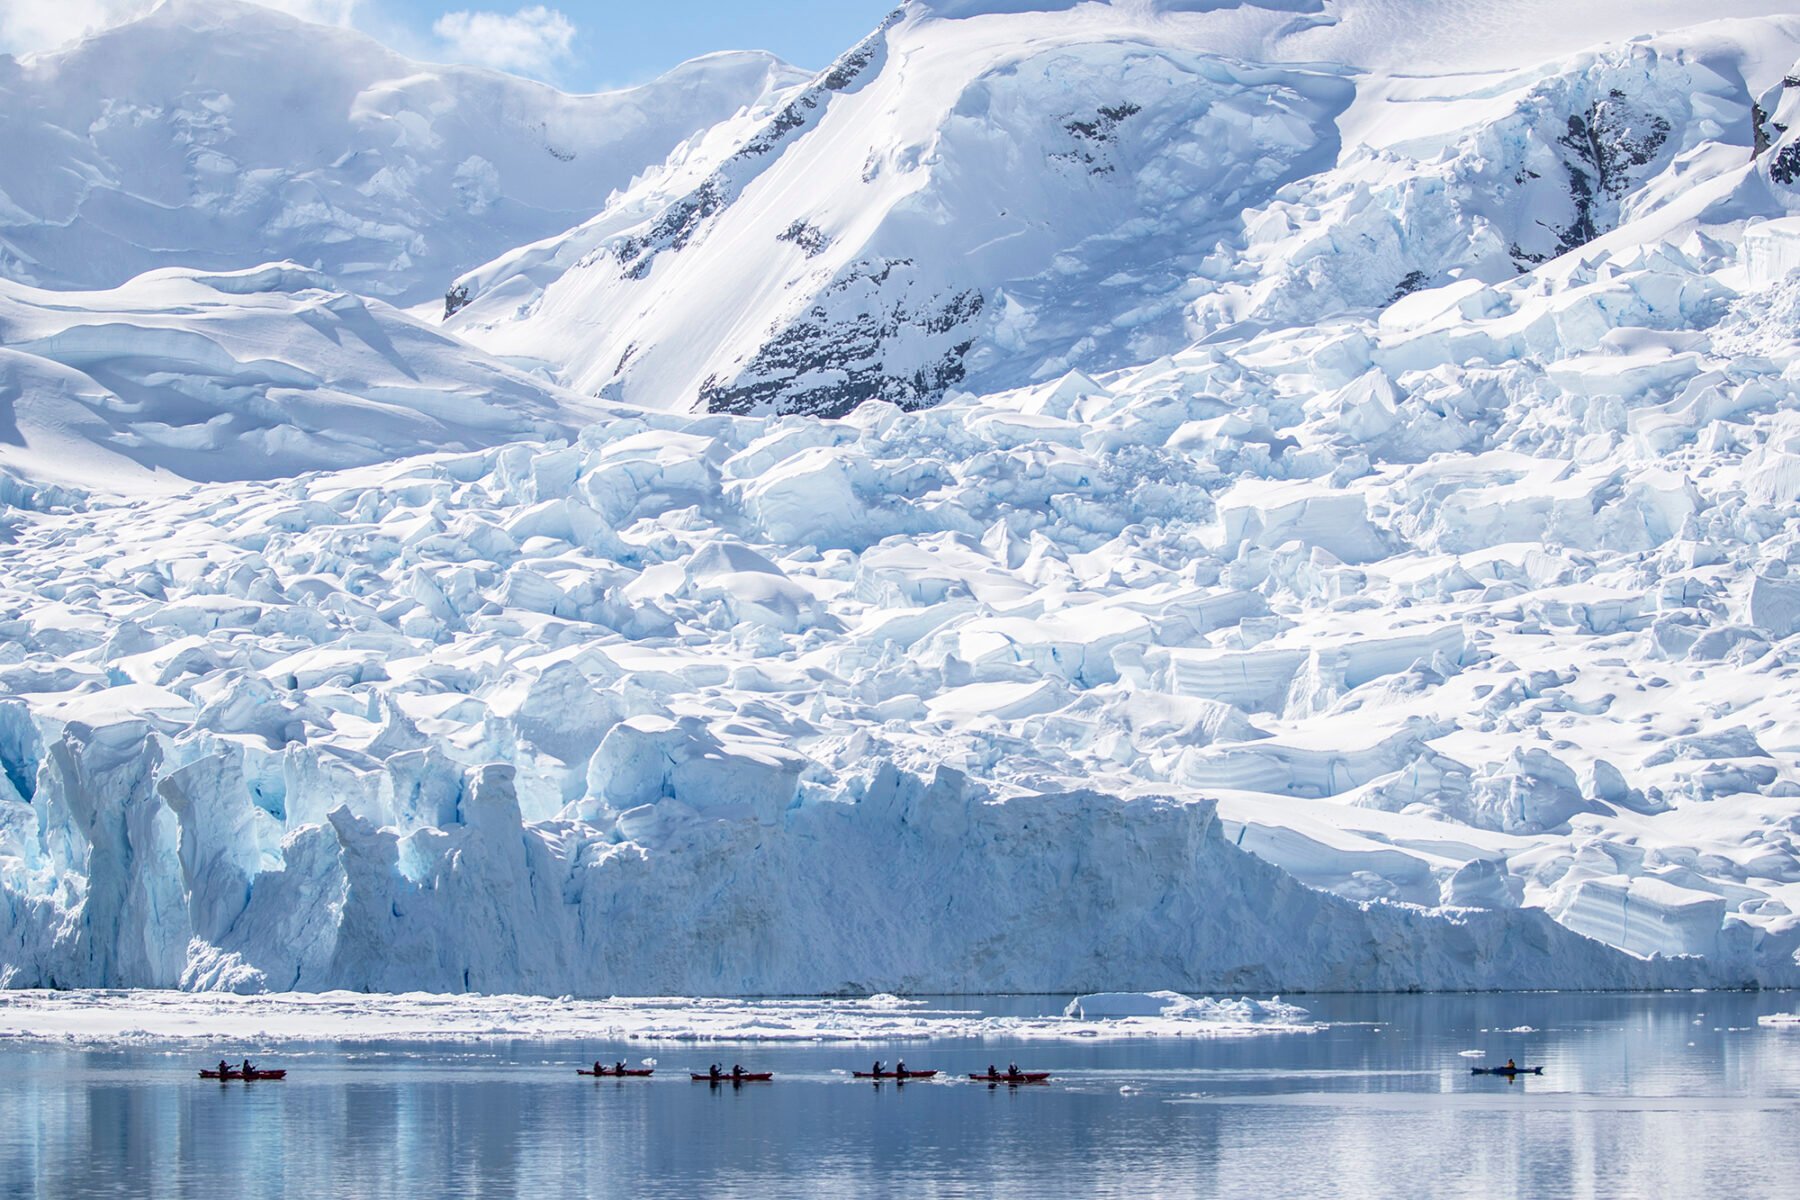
<point x="387" y="174"/>
<point x="882" y="254"/>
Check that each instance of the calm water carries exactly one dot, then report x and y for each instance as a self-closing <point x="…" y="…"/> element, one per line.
<point x="1667" y="1095"/>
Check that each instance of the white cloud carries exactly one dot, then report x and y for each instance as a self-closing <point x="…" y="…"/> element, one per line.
<point x="28" y="25"/>
<point x="324" y="12"/>
<point x="530" y="41"/>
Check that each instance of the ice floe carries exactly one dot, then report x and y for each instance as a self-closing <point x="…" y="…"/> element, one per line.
<point x="169" y="1018"/>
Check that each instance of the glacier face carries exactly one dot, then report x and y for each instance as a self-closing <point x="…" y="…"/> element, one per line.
<point x="599" y="718"/>
<point x="216" y="134"/>
<point x="1404" y="598"/>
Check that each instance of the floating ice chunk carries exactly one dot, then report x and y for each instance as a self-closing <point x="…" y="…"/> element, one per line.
<point x="162" y="1018"/>
<point x="1109" y="1006"/>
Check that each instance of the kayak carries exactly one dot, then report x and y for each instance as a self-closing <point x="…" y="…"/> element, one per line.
<point x="893" y="1075"/>
<point x="747" y="1077"/>
<point x="1021" y="1077"/>
<point x="610" y="1073"/>
<point x="254" y="1075"/>
<point x="1506" y="1070"/>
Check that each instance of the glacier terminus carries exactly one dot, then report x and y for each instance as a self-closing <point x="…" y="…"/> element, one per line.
<point x="1274" y="496"/>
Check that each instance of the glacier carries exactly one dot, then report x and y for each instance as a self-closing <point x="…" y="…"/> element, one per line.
<point x="1354" y="549"/>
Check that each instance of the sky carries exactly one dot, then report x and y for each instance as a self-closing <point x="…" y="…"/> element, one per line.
<point x="579" y="45"/>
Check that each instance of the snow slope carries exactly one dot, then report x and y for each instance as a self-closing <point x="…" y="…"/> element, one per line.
<point x="221" y="135"/>
<point x="183" y="375"/>
<point x="981" y="202"/>
<point x="1415" y="607"/>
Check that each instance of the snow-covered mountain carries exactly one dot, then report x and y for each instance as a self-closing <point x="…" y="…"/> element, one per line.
<point x="220" y="135"/>
<point x="1405" y="597"/>
<point x="982" y="201"/>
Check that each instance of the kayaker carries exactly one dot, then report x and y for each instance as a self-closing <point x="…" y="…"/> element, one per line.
<point x="597" y="1069"/>
<point x="876" y="1071"/>
<point x="1012" y="1070"/>
<point x="900" y="1069"/>
<point x="619" y="1068"/>
<point x="1511" y="1065"/>
<point x="737" y="1072"/>
<point x="247" y="1071"/>
<point x="992" y="1073"/>
<point x="715" y="1072"/>
<point x="224" y="1069"/>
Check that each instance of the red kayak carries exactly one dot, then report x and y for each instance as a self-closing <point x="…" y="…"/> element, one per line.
<point x="893" y="1074"/>
<point x="1021" y="1077"/>
<point x="610" y="1073"/>
<point x="254" y="1075"/>
<point x="747" y="1077"/>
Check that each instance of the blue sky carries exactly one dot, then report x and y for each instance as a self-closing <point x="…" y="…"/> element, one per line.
<point x="617" y="42"/>
<point x="578" y="44"/>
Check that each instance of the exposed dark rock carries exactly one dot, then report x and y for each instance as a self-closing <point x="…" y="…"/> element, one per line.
<point x="791" y="117"/>
<point x="454" y="299"/>
<point x="682" y="220"/>
<point x="1410" y="283"/>
<point x="1603" y="147"/>
<point x="1608" y="141"/>
<point x="1785" y="168"/>
<point x="810" y="238"/>
<point x="1091" y="137"/>
<point x="839" y="353"/>
<point x="850" y="66"/>
<point x="673" y="230"/>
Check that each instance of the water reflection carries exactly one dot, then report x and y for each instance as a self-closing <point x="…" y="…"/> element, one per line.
<point x="1642" y="1095"/>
